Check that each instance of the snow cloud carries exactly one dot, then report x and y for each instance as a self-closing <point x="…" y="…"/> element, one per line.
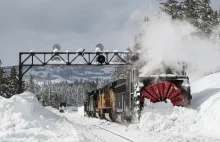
<point x="167" y="42"/>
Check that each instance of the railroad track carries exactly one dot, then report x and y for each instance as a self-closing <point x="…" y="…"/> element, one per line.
<point x="114" y="133"/>
<point x="97" y="133"/>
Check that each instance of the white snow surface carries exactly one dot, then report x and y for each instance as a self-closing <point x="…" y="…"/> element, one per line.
<point x="56" y="50"/>
<point x="97" y="49"/>
<point x="24" y="119"/>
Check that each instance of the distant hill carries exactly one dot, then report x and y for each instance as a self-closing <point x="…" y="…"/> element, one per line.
<point x="68" y="73"/>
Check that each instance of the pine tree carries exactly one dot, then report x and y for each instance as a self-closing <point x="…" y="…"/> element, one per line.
<point x="197" y="12"/>
<point x="5" y="88"/>
<point x="206" y="16"/>
<point x="13" y="81"/>
<point x="191" y="9"/>
<point x="173" y="8"/>
<point x="215" y="18"/>
<point x="2" y="82"/>
<point x="1" y="72"/>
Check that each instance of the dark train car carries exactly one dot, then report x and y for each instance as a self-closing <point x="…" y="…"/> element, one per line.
<point x="121" y="95"/>
<point x="124" y="94"/>
<point x="91" y="103"/>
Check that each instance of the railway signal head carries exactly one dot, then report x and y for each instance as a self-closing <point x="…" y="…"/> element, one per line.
<point x="101" y="59"/>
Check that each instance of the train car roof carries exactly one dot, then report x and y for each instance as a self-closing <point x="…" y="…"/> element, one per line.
<point x="164" y="76"/>
<point x="119" y="81"/>
<point x="112" y="84"/>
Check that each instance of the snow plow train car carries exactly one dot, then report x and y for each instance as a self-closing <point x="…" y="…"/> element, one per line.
<point x="123" y="99"/>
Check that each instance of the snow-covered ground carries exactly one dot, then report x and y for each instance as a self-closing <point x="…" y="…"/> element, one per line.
<point x="24" y="119"/>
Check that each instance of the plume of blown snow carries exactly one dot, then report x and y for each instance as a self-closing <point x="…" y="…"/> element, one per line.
<point x="166" y="42"/>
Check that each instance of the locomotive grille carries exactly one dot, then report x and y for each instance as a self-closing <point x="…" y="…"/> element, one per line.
<point x="120" y="89"/>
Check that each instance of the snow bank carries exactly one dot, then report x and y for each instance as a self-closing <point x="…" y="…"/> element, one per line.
<point x="210" y="114"/>
<point x="207" y="82"/>
<point x="205" y="92"/>
<point x="206" y="100"/>
<point x="24" y="119"/>
<point x="202" y="120"/>
<point x="166" y="117"/>
<point x="23" y="112"/>
<point x="81" y="110"/>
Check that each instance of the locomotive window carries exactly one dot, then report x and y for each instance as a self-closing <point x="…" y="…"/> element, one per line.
<point x="133" y="76"/>
<point x="100" y="91"/>
<point x="97" y="92"/>
<point x="109" y="87"/>
<point x="105" y="89"/>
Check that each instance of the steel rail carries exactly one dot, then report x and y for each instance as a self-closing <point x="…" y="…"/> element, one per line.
<point x="114" y="133"/>
<point x="80" y="126"/>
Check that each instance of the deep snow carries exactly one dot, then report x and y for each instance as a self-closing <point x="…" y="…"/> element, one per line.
<point x="24" y="119"/>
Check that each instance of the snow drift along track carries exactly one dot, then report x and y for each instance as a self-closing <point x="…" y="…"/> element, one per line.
<point x="92" y="132"/>
<point x="24" y="119"/>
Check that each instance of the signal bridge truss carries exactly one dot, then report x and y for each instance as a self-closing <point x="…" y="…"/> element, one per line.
<point x="31" y="59"/>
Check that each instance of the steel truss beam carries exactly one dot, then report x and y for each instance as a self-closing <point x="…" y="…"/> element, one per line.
<point x="68" y="58"/>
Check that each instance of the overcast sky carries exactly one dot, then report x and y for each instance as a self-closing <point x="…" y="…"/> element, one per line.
<point x="74" y="24"/>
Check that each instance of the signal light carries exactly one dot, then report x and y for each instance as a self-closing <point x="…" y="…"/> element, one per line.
<point x="101" y="59"/>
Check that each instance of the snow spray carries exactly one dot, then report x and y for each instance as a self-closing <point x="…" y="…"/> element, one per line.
<point x="167" y="42"/>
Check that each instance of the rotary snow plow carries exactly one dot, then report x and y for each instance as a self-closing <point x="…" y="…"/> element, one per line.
<point x="160" y="88"/>
<point x="123" y="99"/>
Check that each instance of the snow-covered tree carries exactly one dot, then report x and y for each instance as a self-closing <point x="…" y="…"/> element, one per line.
<point x="3" y="84"/>
<point x="9" y="83"/>
<point x="207" y="19"/>
<point x="197" y="12"/>
<point x="13" y="81"/>
<point x="51" y="94"/>
<point x="173" y="8"/>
